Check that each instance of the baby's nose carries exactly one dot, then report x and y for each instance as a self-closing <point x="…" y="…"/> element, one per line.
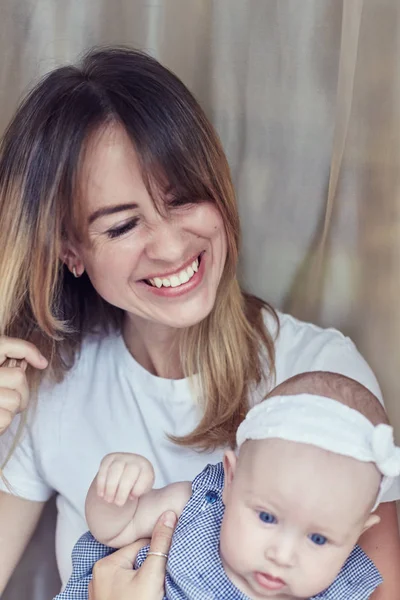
<point x="283" y="551"/>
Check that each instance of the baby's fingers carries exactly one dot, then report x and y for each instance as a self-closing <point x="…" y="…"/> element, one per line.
<point x="144" y="482"/>
<point x="127" y="483"/>
<point x="101" y="477"/>
<point x="113" y="477"/>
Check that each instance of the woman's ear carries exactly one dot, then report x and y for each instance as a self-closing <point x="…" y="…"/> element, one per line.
<point x="370" y="522"/>
<point x="229" y="463"/>
<point x="71" y="258"/>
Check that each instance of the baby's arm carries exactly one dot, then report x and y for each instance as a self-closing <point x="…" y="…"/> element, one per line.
<point x="122" y="507"/>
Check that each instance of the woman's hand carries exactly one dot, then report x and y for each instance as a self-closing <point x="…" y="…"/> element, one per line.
<point x="14" y="391"/>
<point x="115" y="579"/>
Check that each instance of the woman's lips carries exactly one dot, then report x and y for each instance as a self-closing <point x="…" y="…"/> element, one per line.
<point x="188" y="263"/>
<point x="268" y="582"/>
<point x="174" y="292"/>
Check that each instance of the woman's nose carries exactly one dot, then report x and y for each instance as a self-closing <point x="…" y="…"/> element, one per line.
<point x="167" y="242"/>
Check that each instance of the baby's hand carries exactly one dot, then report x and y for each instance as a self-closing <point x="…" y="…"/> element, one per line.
<point x="123" y="475"/>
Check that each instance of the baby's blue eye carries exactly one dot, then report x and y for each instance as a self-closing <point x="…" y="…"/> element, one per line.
<point x="318" y="539"/>
<point x="267" y="517"/>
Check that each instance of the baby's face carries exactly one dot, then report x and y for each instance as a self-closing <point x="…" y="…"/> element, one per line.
<point x="293" y="514"/>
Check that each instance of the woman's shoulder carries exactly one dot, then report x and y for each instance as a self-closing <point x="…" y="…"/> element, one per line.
<point x="95" y="356"/>
<point x="287" y="329"/>
<point x="302" y="347"/>
<point x="97" y="347"/>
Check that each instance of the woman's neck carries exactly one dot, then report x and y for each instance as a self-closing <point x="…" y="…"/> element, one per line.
<point x="154" y="346"/>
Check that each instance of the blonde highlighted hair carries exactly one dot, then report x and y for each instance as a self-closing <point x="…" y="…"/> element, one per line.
<point x="40" y="158"/>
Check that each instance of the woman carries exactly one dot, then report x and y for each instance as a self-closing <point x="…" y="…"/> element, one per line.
<point x="120" y="235"/>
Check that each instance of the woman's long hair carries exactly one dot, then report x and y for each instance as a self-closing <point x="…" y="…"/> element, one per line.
<point x="40" y="159"/>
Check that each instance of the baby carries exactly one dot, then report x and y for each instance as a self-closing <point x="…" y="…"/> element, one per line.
<point x="279" y="518"/>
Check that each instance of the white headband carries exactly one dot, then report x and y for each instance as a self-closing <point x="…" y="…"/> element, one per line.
<point x="327" y="424"/>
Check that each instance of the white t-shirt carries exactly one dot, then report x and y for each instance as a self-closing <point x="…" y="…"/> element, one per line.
<point x="109" y="403"/>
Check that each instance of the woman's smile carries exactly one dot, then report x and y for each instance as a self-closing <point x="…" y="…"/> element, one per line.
<point x="180" y="282"/>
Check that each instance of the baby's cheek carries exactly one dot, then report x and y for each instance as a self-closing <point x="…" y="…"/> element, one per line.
<point x="227" y="542"/>
<point x="320" y="573"/>
<point x="235" y="542"/>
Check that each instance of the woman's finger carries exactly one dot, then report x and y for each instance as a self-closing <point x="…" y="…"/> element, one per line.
<point x="14" y="380"/>
<point x="125" y="557"/>
<point x="13" y="348"/>
<point x="6" y="418"/>
<point x="115" y="579"/>
<point x="11" y="400"/>
<point x="155" y="564"/>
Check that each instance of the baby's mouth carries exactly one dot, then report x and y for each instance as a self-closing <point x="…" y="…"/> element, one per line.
<point x="268" y="582"/>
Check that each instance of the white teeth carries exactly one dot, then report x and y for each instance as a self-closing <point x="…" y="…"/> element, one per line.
<point x="183" y="277"/>
<point x="176" y="280"/>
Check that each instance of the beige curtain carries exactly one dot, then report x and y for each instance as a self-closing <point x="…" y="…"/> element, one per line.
<point x="306" y="97"/>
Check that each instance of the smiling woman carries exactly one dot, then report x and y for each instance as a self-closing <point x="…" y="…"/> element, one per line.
<point x="134" y="186"/>
<point x="160" y="259"/>
<point x="120" y="239"/>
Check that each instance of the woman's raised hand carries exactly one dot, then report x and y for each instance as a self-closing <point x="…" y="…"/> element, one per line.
<point x="15" y="355"/>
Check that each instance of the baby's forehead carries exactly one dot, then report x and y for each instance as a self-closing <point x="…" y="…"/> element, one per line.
<point x="283" y="448"/>
<point x="280" y="466"/>
<point x="276" y="458"/>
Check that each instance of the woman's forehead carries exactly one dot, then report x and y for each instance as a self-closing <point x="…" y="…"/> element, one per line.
<point x="108" y="150"/>
<point x="111" y="174"/>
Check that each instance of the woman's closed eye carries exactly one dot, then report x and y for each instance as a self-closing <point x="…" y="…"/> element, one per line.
<point x="122" y="229"/>
<point x="179" y="201"/>
<point x="267" y="517"/>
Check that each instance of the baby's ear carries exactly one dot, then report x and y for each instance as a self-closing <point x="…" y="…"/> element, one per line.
<point x="371" y="521"/>
<point x="229" y="462"/>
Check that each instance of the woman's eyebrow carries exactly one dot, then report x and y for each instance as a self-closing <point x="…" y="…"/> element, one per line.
<point x="109" y="210"/>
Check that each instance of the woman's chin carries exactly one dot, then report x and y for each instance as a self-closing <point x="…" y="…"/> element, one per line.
<point x="185" y="319"/>
<point x="188" y="314"/>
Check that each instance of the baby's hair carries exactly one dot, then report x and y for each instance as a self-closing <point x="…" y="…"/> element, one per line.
<point x="337" y="387"/>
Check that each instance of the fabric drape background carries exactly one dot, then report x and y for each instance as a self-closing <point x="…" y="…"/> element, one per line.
<point x="306" y="98"/>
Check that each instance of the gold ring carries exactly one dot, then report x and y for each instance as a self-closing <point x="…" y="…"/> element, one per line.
<point x="157" y="554"/>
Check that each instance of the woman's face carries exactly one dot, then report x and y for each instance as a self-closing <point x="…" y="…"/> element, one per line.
<point x="164" y="268"/>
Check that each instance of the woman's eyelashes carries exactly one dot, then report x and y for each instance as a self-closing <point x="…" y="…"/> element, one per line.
<point x="179" y="201"/>
<point x="176" y="202"/>
<point x="116" y="232"/>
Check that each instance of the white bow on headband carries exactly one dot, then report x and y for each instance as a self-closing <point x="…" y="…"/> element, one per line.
<point x="327" y="424"/>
